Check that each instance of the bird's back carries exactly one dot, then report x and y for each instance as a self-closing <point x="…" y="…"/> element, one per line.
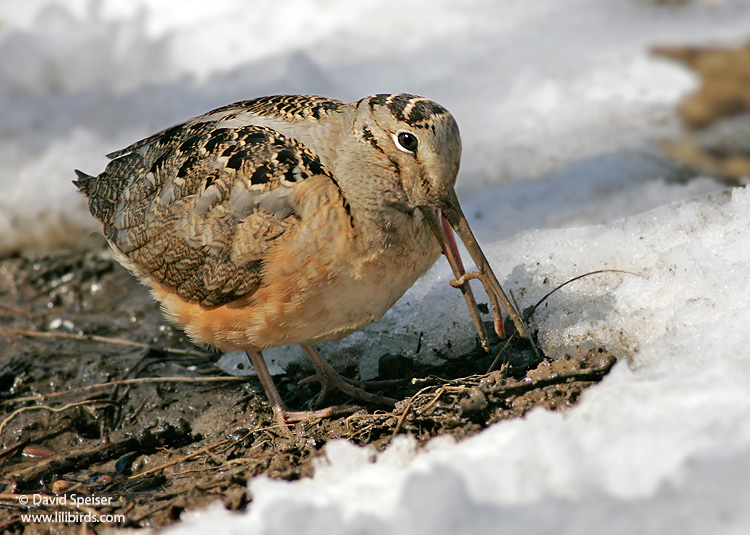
<point x="275" y="220"/>
<point x="196" y="206"/>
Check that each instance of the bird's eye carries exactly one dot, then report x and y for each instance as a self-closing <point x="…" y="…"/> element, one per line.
<point x="407" y="142"/>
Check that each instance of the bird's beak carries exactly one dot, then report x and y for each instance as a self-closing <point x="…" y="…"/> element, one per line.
<point x="444" y="220"/>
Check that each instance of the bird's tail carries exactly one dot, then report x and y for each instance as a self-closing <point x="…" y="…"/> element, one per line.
<point x="84" y="183"/>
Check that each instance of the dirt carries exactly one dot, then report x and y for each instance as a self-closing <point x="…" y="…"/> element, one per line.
<point x="173" y="433"/>
<point x="716" y="114"/>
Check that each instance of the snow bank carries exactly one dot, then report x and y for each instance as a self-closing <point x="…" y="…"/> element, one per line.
<point x="659" y="446"/>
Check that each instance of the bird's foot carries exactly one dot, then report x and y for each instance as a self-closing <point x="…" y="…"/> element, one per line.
<point x="331" y="383"/>
<point x="284" y="416"/>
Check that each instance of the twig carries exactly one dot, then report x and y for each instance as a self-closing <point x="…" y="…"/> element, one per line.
<point x="439" y="392"/>
<point x="409" y="403"/>
<point x="13" y="449"/>
<point x="543" y="299"/>
<point x="125" y="382"/>
<point x="182" y="459"/>
<point x="506" y="345"/>
<point x="530" y="338"/>
<point x="95" y="338"/>
<point x="51" y="409"/>
<point x="534" y="308"/>
<point x="17" y="311"/>
<point x="401" y="418"/>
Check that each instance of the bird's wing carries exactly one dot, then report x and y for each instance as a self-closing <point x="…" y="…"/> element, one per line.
<point x="197" y="206"/>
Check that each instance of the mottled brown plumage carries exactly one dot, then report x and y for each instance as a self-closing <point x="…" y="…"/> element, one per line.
<point x="289" y="219"/>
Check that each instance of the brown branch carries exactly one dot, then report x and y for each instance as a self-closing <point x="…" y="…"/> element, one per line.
<point x="95" y="338"/>
<point x="181" y="459"/>
<point x="125" y="382"/>
<point x="51" y="409"/>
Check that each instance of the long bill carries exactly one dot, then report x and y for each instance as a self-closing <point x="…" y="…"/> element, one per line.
<point x="446" y="219"/>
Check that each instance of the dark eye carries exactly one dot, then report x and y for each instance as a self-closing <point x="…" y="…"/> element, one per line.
<point x="407" y="141"/>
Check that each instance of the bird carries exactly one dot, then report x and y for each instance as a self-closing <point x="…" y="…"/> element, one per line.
<point x="291" y="219"/>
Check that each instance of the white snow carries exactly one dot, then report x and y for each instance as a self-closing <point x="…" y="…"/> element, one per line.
<point x="560" y="106"/>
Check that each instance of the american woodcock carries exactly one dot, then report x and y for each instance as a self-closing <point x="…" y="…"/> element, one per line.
<point x="291" y="220"/>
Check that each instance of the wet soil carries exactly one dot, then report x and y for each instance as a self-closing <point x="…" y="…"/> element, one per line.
<point x="101" y="398"/>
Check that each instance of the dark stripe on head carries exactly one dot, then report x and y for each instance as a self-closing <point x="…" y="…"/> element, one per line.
<point x="410" y="109"/>
<point x="398" y="103"/>
<point x="370" y="137"/>
<point x="378" y="100"/>
<point x="422" y="113"/>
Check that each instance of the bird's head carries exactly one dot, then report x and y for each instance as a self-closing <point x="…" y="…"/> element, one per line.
<point x="417" y="139"/>
<point x="415" y="154"/>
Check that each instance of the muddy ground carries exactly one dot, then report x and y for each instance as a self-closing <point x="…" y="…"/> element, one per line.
<point x="170" y="435"/>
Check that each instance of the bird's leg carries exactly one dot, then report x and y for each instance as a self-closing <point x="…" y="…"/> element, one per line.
<point x="281" y="412"/>
<point x="331" y="381"/>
